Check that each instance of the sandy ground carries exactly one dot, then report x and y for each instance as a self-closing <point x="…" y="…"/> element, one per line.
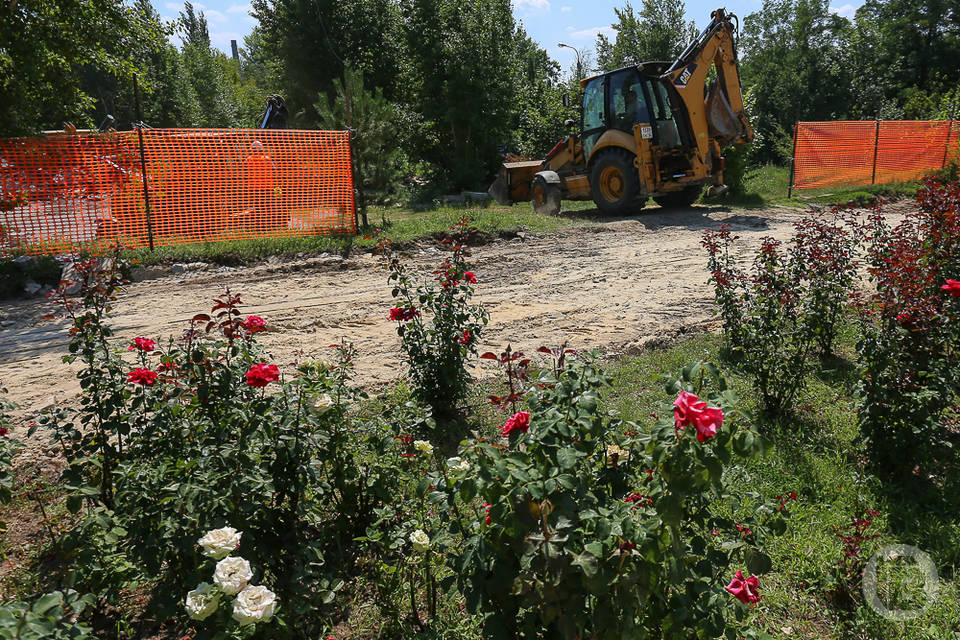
<point x="617" y="285"/>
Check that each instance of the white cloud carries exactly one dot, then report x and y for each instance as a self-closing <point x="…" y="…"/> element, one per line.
<point x="592" y="33"/>
<point x="221" y="40"/>
<point x="239" y="8"/>
<point x="845" y="11"/>
<point x="531" y="6"/>
<point x="566" y="9"/>
<point x="173" y="6"/>
<point x="214" y="16"/>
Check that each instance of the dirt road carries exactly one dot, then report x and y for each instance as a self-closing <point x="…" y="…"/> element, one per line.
<point x="614" y="285"/>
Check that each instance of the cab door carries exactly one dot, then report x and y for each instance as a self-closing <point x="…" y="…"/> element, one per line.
<point x="594" y="121"/>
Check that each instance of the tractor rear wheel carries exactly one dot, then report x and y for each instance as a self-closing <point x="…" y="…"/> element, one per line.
<point x="614" y="183"/>
<point x="545" y="196"/>
<point x="677" y="199"/>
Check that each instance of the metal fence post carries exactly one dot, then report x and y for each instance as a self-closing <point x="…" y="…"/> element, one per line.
<point x="143" y="161"/>
<point x="793" y="159"/>
<point x="876" y="148"/>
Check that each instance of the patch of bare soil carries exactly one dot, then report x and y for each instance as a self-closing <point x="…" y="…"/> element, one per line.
<point x="618" y="285"/>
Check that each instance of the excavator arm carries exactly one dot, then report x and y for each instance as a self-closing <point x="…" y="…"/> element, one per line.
<point x="715" y="111"/>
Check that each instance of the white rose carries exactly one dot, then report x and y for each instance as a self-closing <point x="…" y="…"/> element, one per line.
<point x="254" y="604"/>
<point x="232" y="574"/>
<point x="202" y="601"/>
<point x="420" y="540"/>
<point x="220" y="542"/>
<point x="458" y="465"/>
<point x="424" y="446"/>
<point x="616" y="455"/>
<point x="322" y="403"/>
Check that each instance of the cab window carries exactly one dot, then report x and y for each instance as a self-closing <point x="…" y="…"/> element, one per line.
<point x="594" y="118"/>
<point x="628" y="106"/>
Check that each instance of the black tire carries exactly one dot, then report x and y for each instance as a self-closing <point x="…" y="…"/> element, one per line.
<point x="545" y="196"/>
<point x="678" y="199"/>
<point x="614" y="184"/>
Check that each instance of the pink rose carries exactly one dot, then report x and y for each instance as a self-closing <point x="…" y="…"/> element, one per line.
<point x="689" y="410"/>
<point x="520" y="421"/>
<point x="708" y="423"/>
<point x="142" y="344"/>
<point x="744" y="590"/>
<point x="685" y="409"/>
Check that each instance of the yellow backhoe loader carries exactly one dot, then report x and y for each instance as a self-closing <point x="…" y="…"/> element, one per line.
<point x="651" y="130"/>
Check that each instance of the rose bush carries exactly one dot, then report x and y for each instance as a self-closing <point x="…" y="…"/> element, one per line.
<point x="564" y="540"/>
<point x="910" y="329"/>
<point x="766" y="326"/>
<point x="436" y="347"/>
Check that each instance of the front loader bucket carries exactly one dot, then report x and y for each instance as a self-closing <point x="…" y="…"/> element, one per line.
<point x="500" y="190"/>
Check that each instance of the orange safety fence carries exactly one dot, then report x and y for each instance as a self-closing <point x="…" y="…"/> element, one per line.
<point x="66" y="193"/>
<point x="831" y="154"/>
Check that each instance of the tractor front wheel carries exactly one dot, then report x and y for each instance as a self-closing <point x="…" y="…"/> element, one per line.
<point x="545" y="196"/>
<point x="614" y="183"/>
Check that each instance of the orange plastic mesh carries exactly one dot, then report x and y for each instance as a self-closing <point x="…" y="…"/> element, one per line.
<point x="84" y="192"/>
<point x="830" y="154"/>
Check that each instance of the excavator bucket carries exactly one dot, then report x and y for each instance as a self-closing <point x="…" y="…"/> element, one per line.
<point x="513" y="181"/>
<point x="722" y="122"/>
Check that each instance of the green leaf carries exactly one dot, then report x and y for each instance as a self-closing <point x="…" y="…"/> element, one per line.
<point x="46" y="602"/>
<point x="757" y="561"/>
<point x="567" y="458"/>
<point x="587" y="562"/>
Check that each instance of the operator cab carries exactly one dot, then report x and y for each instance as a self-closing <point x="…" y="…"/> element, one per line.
<point x="632" y="96"/>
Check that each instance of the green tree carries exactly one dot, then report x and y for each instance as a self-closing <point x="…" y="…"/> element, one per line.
<point x="795" y="63"/>
<point x="213" y="77"/>
<point x="904" y="57"/>
<point x="460" y="58"/>
<point x="539" y="114"/>
<point x="45" y="46"/>
<point x="658" y="31"/>
<point x="167" y="98"/>
<point x="310" y="42"/>
<point x="371" y="118"/>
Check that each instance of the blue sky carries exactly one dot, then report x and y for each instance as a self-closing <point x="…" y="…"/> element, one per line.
<point x="549" y="22"/>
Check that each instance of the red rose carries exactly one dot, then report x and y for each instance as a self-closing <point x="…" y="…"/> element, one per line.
<point x="402" y="315"/>
<point x="142" y="344"/>
<point x="744" y="590"/>
<point x="520" y="421"/>
<point x="470" y="277"/>
<point x="167" y="366"/>
<point x="262" y="374"/>
<point x="952" y="287"/>
<point x="4" y="431"/>
<point x="142" y="376"/>
<point x="465" y="339"/>
<point x="255" y="324"/>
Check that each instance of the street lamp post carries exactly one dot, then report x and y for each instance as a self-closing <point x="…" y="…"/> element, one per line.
<point x="579" y="67"/>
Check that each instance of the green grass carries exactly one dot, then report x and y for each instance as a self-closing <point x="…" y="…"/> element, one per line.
<point x="400" y="225"/>
<point x="770" y="184"/>
<point x="816" y="455"/>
